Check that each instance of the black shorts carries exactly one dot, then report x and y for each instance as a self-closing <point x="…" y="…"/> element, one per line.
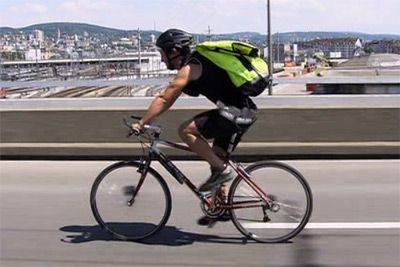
<point x="212" y="125"/>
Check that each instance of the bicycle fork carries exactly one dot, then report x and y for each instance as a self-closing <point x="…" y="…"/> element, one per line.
<point x="143" y="169"/>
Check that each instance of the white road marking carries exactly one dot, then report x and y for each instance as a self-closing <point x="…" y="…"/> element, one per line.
<point x="336" y="225"/>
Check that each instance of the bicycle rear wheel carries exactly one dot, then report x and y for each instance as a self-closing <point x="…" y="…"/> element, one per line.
<point x="290" y="204"/>
<point x="123" y="209"/>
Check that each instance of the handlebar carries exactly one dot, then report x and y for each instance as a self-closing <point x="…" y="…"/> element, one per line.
<point x="138" y="132"/>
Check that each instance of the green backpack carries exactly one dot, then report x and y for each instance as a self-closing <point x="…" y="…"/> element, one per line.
<point x="240" y="60"/>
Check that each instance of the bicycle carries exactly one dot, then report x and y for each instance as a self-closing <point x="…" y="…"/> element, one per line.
<point x="268" y="201"/>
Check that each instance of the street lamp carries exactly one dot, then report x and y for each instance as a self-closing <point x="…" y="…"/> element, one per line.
<point x="139" y="55"/>
<point x="1" y="67"/>
<point x="36" y="59"/>
<point x="270" y="67"/>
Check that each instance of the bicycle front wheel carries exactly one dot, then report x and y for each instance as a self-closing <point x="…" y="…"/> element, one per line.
<point x="287" y="210"/>
<point x="127" y="209"/>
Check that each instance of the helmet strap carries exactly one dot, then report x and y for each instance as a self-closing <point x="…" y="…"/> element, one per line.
<point x="174" y="57"/>
<point x="181" y="53"/>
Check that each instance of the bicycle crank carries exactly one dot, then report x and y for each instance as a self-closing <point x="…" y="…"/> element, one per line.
<point x="211" y="211"/>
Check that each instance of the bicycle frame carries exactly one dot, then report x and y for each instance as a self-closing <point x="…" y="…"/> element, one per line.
<point x="156" y="153"/>
<point x="245" y="192"/>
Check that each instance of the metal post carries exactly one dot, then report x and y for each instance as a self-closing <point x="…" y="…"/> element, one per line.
<point x="1" y="67"/>
<point x="278" y="50"/>
<point x="37" y="65"/>
<point x="140" y="57"/>
<point x="270" y="67"/>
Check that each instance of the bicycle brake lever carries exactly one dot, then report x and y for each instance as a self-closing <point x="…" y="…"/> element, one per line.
<point x="132" y="131"/>
<point x="129" y="134"/>
<point x="137" y="132"/>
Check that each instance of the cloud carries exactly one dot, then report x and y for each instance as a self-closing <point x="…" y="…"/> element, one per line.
<point x="87" y="5"/>
<point x="89" y="11"/>
<point x="19" y="15"/>
<point x="371" y="16"/>
<point x="221" y="15"/>
<point x="29" y="8"/>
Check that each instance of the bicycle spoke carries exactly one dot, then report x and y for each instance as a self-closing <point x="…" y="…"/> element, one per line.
<point x="288" y="208"/>
<point x="124" y="212"/>
<point x="250" y="220"/>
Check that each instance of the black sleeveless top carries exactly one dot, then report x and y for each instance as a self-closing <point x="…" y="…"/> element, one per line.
<point x="215" y="84"/>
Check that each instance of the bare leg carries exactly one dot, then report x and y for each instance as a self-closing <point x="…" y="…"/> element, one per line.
<point x="222" y="154"/>
<point x="219" y="152"/>
<point x="192" y="137"/>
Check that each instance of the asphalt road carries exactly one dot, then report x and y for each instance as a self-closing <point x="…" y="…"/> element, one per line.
<point x="46" y="220"/>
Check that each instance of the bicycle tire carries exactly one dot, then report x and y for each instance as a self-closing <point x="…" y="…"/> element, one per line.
<point x="112" y="190"/>
<point x="288" y="190"/>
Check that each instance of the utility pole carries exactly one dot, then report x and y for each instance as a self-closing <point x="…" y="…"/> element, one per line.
<point x="209" y="33"/>
<point x="278" y="49"/>
<point x="37" y="64"/>
<point x="270" y="67"/>
<point x="140" y="56"/>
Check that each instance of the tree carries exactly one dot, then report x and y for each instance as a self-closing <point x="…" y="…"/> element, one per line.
<point x="7" y="55"/>
<point x="368" y="50"/>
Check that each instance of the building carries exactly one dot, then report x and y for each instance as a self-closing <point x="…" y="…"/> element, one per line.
<point x="152" y="38"/>
<point x="386" y="46"/>
<point x="33" y="54"/>
<point x="58" y="35"/>
<point x="38" y="36"/>
<point x="123" y="41"/>
<point x="283" y="52"/>
<point x="344" y="48"/>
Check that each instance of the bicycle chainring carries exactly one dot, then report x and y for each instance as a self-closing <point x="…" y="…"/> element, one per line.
<point x="209" y="211"/>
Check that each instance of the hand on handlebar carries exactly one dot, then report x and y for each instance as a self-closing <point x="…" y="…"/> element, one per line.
<point x="138" y="127"/>
<point x="135" y="129"/>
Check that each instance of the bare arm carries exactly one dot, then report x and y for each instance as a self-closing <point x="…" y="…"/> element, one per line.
<point x="168" y="97"/>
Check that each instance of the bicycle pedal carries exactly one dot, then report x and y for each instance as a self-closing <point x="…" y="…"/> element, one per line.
<point x="212" y="223"/>
<point x="266" y="219"/>
<point x="203" y="221"/>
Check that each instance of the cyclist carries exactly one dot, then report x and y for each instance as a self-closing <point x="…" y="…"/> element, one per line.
<point x="235" y="112"/>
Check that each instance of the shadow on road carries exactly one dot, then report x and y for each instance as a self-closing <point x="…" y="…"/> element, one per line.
<point x="168" y="236"/>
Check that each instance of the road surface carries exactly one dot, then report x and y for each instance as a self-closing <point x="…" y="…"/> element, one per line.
<point x="46" y="220"/>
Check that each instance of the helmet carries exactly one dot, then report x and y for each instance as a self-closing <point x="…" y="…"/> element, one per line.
<point x="174" y="38"/>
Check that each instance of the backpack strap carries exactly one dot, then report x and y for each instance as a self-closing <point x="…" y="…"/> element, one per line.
<point x="248" y="65"/>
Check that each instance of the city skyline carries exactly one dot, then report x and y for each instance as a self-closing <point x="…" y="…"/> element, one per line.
<point x="223" y="16"/>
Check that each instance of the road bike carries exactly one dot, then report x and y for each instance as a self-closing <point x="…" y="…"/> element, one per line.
<point x="268" y="201"/>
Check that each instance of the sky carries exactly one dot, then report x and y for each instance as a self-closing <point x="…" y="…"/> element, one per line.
<point x="222" y="16"/>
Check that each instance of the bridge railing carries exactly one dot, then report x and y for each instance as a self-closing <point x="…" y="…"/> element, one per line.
<point x="307" y="126"/>
<point x="394" y="80"/>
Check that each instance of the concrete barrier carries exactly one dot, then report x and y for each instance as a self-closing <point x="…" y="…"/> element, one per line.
<point x="288" y="127"/>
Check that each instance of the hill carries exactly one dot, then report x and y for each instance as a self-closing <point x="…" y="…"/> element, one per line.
<point x="51" y="30"/>
<point x="306" y="36"/>
<point x="73" y="28"/>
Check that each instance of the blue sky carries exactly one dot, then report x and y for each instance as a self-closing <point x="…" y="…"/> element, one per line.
<point x="223" y="16"/>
